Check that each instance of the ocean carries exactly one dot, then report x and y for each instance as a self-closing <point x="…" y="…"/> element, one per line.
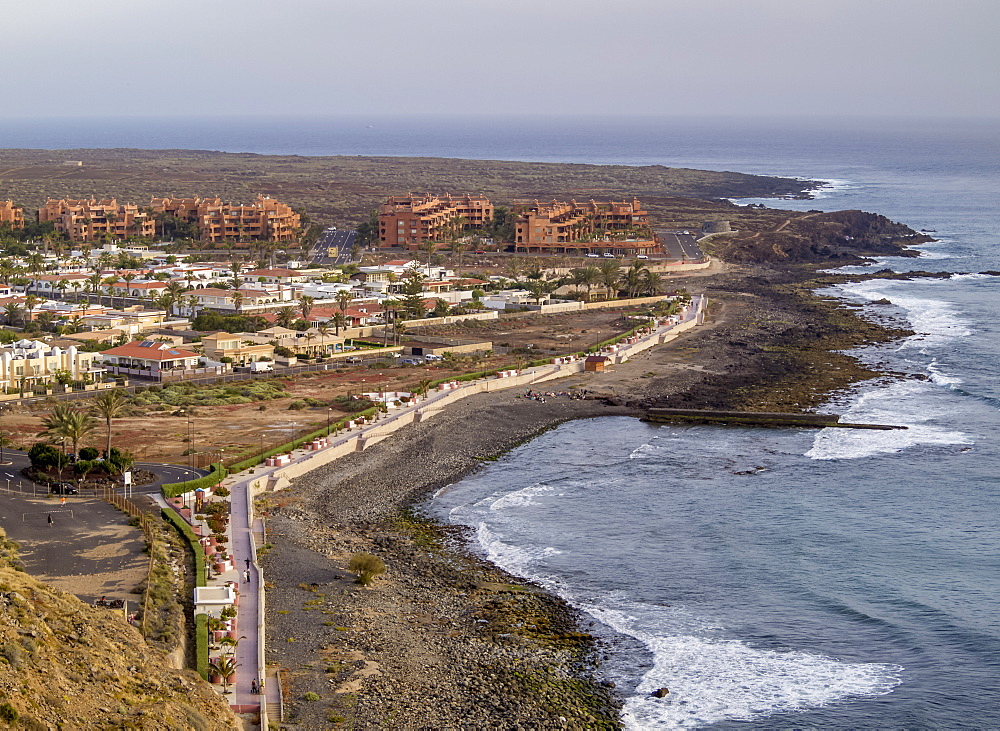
<point x="769" y="578"/>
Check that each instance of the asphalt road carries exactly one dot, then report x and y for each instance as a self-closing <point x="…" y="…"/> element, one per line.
<point x="343" y="240"/>
<point x="679" y="245"/>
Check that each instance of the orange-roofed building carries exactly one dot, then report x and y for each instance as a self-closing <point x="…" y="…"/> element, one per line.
<point x="11" y="215"/>
<point x="149" y="359"/>
<point x="410" y="220"/>
<point x="91" y="219"/>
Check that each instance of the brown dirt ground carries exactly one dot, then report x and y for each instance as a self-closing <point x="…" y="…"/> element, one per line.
<point x="222" y="431"/>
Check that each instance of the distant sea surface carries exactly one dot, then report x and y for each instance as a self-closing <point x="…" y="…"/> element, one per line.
<point x="768" y="578"/>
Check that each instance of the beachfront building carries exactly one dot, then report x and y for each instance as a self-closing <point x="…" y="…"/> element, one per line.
<point x="11" y="215"/>
<point x="91" y="219"/>
<point x="619" y="228"/>
<point x="263" y="220"/>
<point x="149" y="359"/>
<point x="26" y="364"/>
<point x="237" y="348"/>
<point x="411" y="220"/>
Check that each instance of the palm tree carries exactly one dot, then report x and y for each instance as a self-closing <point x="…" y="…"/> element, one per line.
<point x="286" y="316"/>
<point x="423" y="387"/>
<point x="30" y="303"/>
<point x="344" y="299"/>
<point x="13" y="312"/>
<point x="225" y="668"/>
<point x="306" y="305"/>
<point x="339" y="320"/>
<point x="609" y="275"/>
<point x="238" y="301"/>
<point x="110" y="405"/>
<point x="323" y="329"/>
<point x="65" y="422"/>
<point x="652" y="283"/>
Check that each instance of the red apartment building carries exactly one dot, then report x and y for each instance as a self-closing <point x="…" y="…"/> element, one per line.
<point x="413" y="219"/>
<point x="92" y="219"/>
<point x="263" y="220"/>
<point x="618" y="228"/>
<point x="11" y="214"/>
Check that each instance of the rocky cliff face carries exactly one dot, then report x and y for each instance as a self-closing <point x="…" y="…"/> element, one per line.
<point x="64" y="664"/>
<point x="840" y="236"/>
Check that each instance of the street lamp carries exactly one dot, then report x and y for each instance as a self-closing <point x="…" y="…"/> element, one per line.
<point x="329" y="413"/>
<point x="190" y="449"/>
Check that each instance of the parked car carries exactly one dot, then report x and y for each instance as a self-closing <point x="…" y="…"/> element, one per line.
<point x="409" y="361"/>
<point x="642" y="256"/>
<point x="608" y="255"/>
<point x="63" y="488"/>
<point x="480" y="251"/>
<point x="431" y="358"/>
<point x="593" y="256"/>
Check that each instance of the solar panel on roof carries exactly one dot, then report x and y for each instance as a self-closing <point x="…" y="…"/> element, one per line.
<point x="146" y="344"/>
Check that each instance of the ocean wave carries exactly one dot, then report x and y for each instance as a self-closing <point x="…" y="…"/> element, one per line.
<point x="930" y="318"/>
<point x="904" y="403"/>
<point x="521" y="498"/>
<point x="515" y="559"/>
<point x="832" y="186"/>
<point x="712" y="679"/>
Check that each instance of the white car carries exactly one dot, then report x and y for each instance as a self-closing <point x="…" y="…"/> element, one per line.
<point x="609" y="256"/>
<point x="642" y="256"/>
<point x="431" y="358"/>
<point x="593" y="256"/>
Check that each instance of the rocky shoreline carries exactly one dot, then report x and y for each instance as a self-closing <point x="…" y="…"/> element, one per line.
<point x="445" y="639"/>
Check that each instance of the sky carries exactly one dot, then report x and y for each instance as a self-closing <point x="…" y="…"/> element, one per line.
<point x="520" y="57"/>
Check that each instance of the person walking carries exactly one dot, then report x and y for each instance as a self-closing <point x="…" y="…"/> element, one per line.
<point x="62" y="502"/>
<point x="253" y="687"/>
<point x="248" y="563"/>
<point x="50" y="520"/>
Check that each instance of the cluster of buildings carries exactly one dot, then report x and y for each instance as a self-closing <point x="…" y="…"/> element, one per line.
<point x="90" y="219"/>
<point x="618" y="228"/>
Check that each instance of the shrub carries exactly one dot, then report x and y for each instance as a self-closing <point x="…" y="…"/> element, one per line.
<point x="89" y="454"/>
<point x="310" y="696"/>
<point x="366" y="567"/>
<point x="45" y="455"/>
<point x="297" y="405"/>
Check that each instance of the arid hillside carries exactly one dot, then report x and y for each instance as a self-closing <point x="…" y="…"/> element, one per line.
<point x="65" y="664"/>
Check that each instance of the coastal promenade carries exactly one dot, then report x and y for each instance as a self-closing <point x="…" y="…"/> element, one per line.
<point x="246" y="530"/>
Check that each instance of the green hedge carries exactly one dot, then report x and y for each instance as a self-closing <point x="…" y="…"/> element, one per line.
<point x="201" y="644"/>
<point x="200" y="574"/>
<point x="217" y="475"/>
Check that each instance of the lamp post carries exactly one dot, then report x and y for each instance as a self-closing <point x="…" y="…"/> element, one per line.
<point x="2" y="437"/>
<point x="329" y="413"/>
<point x="190" y="450"/>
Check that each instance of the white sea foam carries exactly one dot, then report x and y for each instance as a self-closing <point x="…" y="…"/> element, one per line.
<point x="714" y="679"/>
<point x="933" y="320"/>
<point x="515" y="559"/>
<point x="644" y="451"/>
<point x="521" y="498"/>
<point x="711" y="678"/>
<point x="832" y="186"/>
<point x="905" y="403"/>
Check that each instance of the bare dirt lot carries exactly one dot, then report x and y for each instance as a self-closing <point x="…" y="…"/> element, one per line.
<point x="161" y="434"/>
<point x="556" y="333"/>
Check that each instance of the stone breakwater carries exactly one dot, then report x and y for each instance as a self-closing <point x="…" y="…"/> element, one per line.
<point x="443" y="639"/>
